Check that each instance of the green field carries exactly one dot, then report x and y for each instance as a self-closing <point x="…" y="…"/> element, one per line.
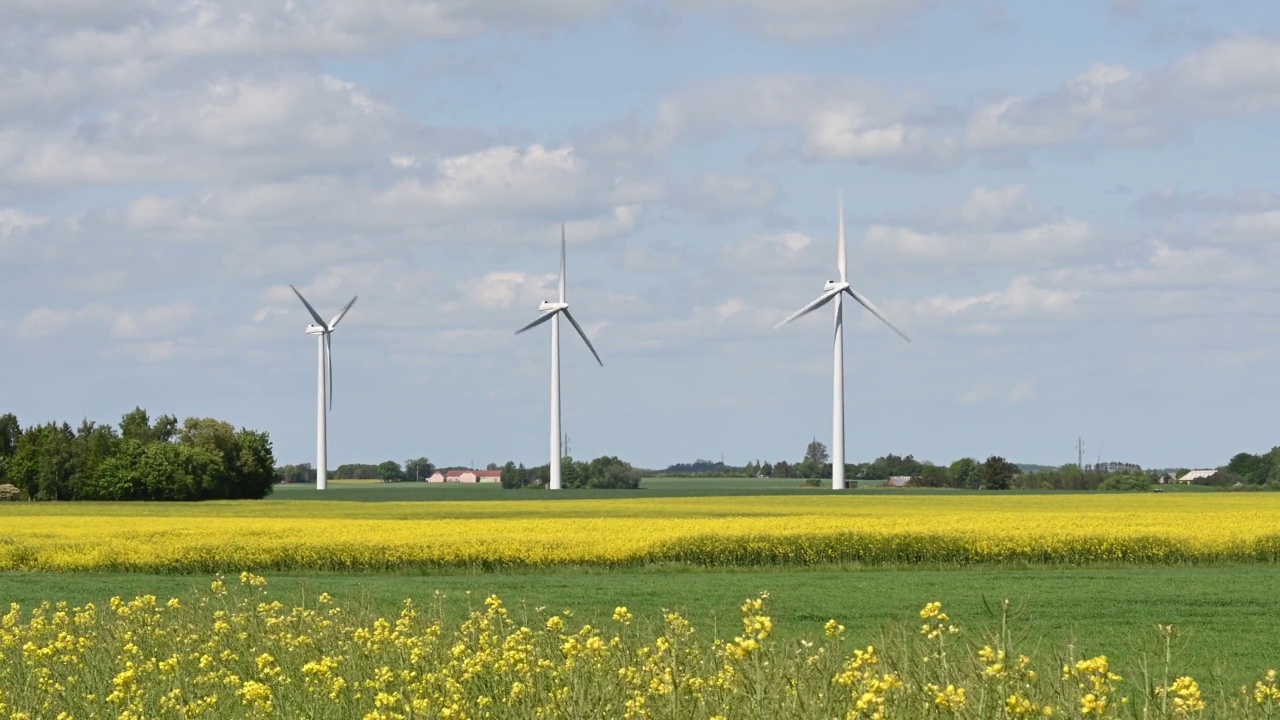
<point x="1227" y="616"/>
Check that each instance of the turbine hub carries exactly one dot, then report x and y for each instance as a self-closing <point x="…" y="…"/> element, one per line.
<point x="836" y="285"/>
<point x="552" y="306"/>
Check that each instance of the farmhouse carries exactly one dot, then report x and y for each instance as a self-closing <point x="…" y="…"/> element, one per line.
<point x="488" y="476"/>
<point x="1196" y="475"/>
<point x="437" y="476"/>
<point x="460" y="476"/>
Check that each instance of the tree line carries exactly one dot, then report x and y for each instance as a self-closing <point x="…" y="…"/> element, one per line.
<point x="1245" y="471"/>
<point x="418" y="470"/>
<point x="605" y="472"/>
<point x="199" y="459"/>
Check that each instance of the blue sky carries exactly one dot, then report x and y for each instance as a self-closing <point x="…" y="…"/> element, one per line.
<point x="1070" y="206"/>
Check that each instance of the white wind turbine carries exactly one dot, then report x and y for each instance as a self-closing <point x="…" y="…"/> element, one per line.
<point x="834" y="290"/>
<point x="551" y="311"/>
<point x="323" y="332"/>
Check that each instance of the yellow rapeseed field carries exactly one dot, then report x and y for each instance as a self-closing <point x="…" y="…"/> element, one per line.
<point x="709" y="531"/>
<point x="237" y="652"/>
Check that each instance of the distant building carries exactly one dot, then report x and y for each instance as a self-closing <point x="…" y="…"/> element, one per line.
<point x="1196" y="475"/>
<point x="460" y="476"/>
<point x="437" y="476"/>
<point x="488" y="476"/>
<point x="898" y="481"/>
<point x="1168" y="479"/>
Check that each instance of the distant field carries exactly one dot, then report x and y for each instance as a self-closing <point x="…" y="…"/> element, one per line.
<point x="632" y="530"/>
<point x="650" y="487"/>
<point x="375" y="491"/>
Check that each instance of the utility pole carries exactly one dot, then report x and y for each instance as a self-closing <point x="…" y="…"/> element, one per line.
<point x="566" y="445"/>
<point x="1080" y="454"/>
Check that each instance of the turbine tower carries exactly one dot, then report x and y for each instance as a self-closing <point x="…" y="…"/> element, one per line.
<point x="552" y="311"/>
<point x="323" y="332"/>
<point x="835" y="290"/>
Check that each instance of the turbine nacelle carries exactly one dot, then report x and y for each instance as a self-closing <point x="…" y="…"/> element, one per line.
<point x="837" y="286"/>
<point x="549" y="306"/>
<point x="314" y="329"/>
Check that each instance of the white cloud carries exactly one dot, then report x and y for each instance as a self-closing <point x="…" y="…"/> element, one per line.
<point x="820" y="117"/>
<point x="1022" y="298"/>
<point x="14" y="221"/>
<point x="727" y="194"/>
<point x="970" y="235"/>
<point x="241" y="28"/>
<point x="1116" y="105"/>
<point x="93" y="319"/>
<point x="1023" y="391"/>
<point x="799" y="20"/>
<point x="501" y="289"/>
<point x="1050" y="240"/>
<point x="769" y="253"/>
<point x="977" y="394"/>
<point x="836" y="135"/>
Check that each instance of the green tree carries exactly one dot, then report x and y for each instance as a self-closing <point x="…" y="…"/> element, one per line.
<point x="997" y="473"/>
<point x="10" y="431"/>
<point x="1253" y="468"/>
<point x="816" y="453"/>
<point x="932" y="476"/>
<point x="390" y="471"/>
<point x="419" y="469"/>
<point x="964" y="473"/>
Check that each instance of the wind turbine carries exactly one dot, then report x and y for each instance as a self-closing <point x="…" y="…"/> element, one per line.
<point x="835" y="290"/>
<point x="323" y="332"/>
<point x="552" y="311"/>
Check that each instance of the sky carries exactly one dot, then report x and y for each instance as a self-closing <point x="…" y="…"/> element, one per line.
<point x="1070" y="206"/>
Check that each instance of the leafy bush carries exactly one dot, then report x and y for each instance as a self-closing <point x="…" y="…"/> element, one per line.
<point x="9" y="492"/>
<point x="1126" y="483"/>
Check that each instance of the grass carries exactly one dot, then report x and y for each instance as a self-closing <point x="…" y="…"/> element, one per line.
<point x="1226" y="615"/>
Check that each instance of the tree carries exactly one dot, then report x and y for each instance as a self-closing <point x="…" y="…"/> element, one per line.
<point x="997" y="473"/>
<point x="782" y="469"/>
<point x="964" y="473"/>
<point x="932" y="476"/>
<point x="419" y="469"/>
<point x="10" y="431"/>
<point x="301" y="473"/>
<point x="1253" y="468"/>
<point x="136" y="425"/>
<point x="570" y="475"/>
<point x="390" y="471"/>
<point x="767" y="470"/>
<point x="816" y="453"/>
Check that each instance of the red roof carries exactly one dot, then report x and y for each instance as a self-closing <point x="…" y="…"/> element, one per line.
<point x="488" y="473"/>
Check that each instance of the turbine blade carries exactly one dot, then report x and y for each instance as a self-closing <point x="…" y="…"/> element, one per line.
<point x="541" y="319"/>
<point x="336" y="318"/>
<point x="578" y="327"/>
<point x="328" y="363"/>
<point x="872" y="309"/>
<point x="562" y="263"/>
<point x="315" y="315"/>
<point x="823" y="299"/>
<point x="841" y="261"/>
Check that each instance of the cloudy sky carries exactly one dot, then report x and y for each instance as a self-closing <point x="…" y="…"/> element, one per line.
<point x="1072" y="208"/>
